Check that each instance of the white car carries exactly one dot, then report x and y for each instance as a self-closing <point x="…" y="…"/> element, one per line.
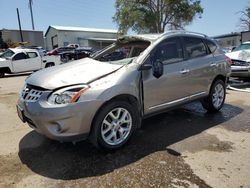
<point x="16" y="60"/>
<point x="240" y="57"/>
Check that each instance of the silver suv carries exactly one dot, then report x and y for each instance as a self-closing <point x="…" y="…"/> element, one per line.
<point x="105" y="97"/>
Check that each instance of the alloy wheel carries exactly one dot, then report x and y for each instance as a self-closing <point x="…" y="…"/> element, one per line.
<point x="218" y="95"/>
<point x="116" y="126"/>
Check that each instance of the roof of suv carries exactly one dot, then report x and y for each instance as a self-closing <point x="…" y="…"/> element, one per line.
<point x="154" y="37"/>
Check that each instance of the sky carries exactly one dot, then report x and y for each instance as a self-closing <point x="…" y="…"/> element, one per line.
<point x="219" y="17"/>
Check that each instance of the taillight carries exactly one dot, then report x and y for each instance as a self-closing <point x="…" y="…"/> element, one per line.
<point x="229" y="61"/>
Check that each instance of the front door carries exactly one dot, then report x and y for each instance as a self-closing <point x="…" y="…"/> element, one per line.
<point x="19" y="62"/>
<point x="26" y="62"/>
<point x="169" y="89"/>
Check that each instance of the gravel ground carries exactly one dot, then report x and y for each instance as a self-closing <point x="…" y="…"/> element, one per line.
<point x="185" y="147"/>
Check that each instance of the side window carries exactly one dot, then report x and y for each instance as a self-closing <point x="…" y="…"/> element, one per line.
<point x="168" y="51"/>
<point x="194" y="47"/>
<point x="19" y="56"/>
<point x="137" y="51"/>
<point x="32" y="55"/>
<point x="211" y="45"/>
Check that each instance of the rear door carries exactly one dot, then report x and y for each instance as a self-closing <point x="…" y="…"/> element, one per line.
<point x="33" y="60"/>
<point x="169" y="89"/>
<point x="200" y="65"/>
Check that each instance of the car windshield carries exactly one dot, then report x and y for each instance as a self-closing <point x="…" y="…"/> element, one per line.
<point x="242" y="47"/>
<point x="7" y="54"/>
<point x="121" y="53"/>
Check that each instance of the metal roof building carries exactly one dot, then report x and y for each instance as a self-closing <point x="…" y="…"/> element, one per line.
<point x="34" y="38"/>
<point x="59" y="36"/>
<point x="229" y="40"/>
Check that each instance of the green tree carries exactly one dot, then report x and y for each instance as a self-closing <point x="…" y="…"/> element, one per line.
<point x="245" y="19"/>
<point x="154" y="16"/>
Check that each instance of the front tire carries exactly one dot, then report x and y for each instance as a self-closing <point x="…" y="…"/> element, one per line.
<point x="214" y="102"/>
<point x="114" y="125"/>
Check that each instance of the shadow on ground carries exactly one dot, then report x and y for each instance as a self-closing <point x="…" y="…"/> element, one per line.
<point x="67" y="161"/>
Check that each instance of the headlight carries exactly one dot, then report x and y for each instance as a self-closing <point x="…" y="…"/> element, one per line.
<point x="67" y="95"/>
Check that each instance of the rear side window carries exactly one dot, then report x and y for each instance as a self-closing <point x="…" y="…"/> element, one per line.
<point x="194" y="47"/>
<point x="32" y="54"/>
<point x="19" y="56"/>
<point x="211" y="45"/>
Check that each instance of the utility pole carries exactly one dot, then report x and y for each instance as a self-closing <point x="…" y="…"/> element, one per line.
<point x="19" y="23"/>
<point x="31" y="14"/>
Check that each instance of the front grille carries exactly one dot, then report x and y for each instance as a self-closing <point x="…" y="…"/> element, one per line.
<point x="31" y="93"/>
<point x="239" y="63"/>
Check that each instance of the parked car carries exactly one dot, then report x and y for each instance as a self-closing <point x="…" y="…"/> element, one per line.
<point x="226" y="49"/>
<point x="78" y="53"/>
<point x="73" y="45"/>
<point x="105" y="100"/>
<point x="40" y="50"/>
<point x="17" y="60"/>
<point x="240" y="57"/>
<point x="59" y="50"/>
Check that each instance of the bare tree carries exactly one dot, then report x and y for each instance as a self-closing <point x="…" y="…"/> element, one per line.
<point x="245" y="19"/>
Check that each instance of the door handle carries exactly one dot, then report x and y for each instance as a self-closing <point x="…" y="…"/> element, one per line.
<point x="213" y="65"/>
<point x="184" y="71"/>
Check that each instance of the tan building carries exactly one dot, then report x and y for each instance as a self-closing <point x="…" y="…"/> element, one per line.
<point x="33" y="38"/>
<point x="59" y="36"/>
<point x="229" y="40"/>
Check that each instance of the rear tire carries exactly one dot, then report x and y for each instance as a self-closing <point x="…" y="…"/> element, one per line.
<point x="114" y="125"/>
<point x="49" y="65"/>
<point x="214" y="102"/>
<point x="2" y="73"/>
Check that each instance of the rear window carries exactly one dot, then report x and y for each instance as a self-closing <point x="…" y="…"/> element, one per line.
<point x="195" y="47"/>
<point x="32" y="54"/>
<point x="211" y="45"/>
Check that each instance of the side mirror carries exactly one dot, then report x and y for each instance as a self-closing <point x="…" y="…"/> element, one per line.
<point x="157" y="68"/>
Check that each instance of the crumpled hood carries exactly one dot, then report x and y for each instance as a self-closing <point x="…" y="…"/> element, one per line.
<point x="2" y="59"/>
<point x="242" y="55"/>
<point x="78" y="72"/>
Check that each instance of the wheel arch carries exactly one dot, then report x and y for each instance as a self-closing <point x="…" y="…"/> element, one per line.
<point x="122" y="97"/>
<point x="49" y="63"/>
<point x="218" y="77"/>
<point x="5" y="69"/>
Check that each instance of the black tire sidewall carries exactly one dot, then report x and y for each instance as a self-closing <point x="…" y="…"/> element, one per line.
<point x="208" y="103"/>
<point x="97" y="137"/>
<point x="49" y="65"/>
<point x="2" y="73"/>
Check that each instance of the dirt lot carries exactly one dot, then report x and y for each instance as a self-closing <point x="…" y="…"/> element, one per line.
<point x="182" y="148"/>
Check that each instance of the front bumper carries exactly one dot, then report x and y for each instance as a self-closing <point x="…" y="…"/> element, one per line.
<point x="63" y="123"/>
<point x="240" y="71"/>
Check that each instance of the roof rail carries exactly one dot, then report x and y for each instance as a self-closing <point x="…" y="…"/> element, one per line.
<point x="184" y="32"/>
